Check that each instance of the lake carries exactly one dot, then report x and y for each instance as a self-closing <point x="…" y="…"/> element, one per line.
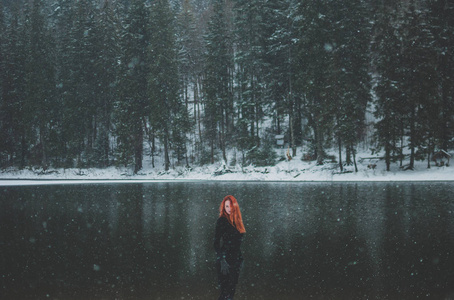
<point x="155" y="240"/>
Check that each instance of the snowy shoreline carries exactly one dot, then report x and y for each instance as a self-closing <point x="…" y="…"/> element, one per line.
<point x="30" y="182"/>
<point x="285" y="171"/>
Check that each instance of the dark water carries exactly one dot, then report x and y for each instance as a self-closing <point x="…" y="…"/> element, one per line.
<point x="154" y="241"/>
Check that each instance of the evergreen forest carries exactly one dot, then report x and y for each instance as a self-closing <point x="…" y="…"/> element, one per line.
<point x="98" y="83"/>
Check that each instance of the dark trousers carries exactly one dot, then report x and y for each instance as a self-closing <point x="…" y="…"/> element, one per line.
<point x="228" y="281"/>
<point x="227" y="292"/>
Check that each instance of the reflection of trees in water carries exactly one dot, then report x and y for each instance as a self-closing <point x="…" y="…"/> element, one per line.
<point x="137" y="240"/>
<point x="404" y="230"/>
<point x="195" y="208"/>
<point x="370" y="224"/>
<point x="178" y="229"/>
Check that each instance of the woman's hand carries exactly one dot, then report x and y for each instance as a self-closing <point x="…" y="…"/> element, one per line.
<point x="224" y="266"/>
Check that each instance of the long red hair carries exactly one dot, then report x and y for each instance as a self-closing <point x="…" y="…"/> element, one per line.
<point x="235" y="215"/>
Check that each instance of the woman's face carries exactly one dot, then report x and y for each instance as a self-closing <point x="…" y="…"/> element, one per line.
<point x="228" y="207"/>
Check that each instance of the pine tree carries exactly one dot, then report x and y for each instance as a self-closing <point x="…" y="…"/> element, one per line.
<point x="420" y="83"/>
<point x="132" y="106"/>
<point x="187" y="54"/>
<point x="386" y="49"/>
<point x="106" y="66"/>
<point x="6" y="135"/>
<point x="13" y="127"/>
<point x="441" y="22"/>
<point x="280" y="68"/>
<point x="315" y="76"/>
<point x="77" y="81"/>
<point x="64" y="20"/>
<point x="166" y="106"/>
<point x="250" y="60"/>
<point x="218" y="61"/>
<point x="88" y="94"/>
<point x="190" y="62"/>
<point x="2" y="48"/>
<point x="351" y="74"/>
<point x="39" y="84"/>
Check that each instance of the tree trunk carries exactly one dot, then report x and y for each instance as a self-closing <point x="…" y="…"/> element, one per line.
<point x="278" y="122"/>
<point x="138" y="150"/>
<point x="401" y="148"/>
<point x="388" y="156"/>
<point x="90" y="133"/>
<point x="292" y="131"/>
<point x="212" y="150"/>
<point x="106" y="150"/>
<point x="23" y="151"/>
<point x="222" y="136"/>
<point x="186" y="93"/>
<point x="339" y="142"/>
<point x="198" y="118"/>
<point x="151" y="143"/>
<point x="320" y="155"/>
<point x="95" y="129"/>
<point x="166" y="148"/>
<point x="186" y="158"/>
<point x="354" y="158"/>
<point x="412" y="140"/>
<point x="43" y="149"/>
<point x="257" y="126"/>
<point x="348" y="156"/>
<point x="153" y="148"/>
<point x="446" y="110"/>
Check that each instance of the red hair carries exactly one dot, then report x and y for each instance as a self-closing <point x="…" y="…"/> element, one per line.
<point x="235" y="216"/>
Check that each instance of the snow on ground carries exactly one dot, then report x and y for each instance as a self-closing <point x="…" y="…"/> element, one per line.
<point x="294" y="170"/>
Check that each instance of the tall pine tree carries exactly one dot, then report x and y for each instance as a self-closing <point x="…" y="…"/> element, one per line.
<point x="167" y="113"/>
<point x="389" y="112"/>
<point x="132" y="107"/>
<point x="315" y="75"/>
<point x="280" y="68"/>
<point x="106" y="67"/>
<point x="351" y="80"/>
<point x="250" y="61"/>
<point x="441" y="22"/>
<point x="419" y="84"/>
<point x="218" y="62"/>
<point x="39" y="84"/>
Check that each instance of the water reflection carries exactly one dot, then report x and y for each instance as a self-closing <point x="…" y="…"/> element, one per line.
<point x="154" y="241"/>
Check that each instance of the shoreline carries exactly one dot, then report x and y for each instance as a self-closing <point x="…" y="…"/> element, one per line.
<point x="28" y="182"/>
<point x="285" y="171"/>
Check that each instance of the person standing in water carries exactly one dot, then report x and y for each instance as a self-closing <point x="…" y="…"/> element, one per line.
<point x="230" y="230"/>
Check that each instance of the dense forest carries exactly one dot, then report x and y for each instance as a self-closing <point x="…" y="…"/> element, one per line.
<point x="96" y="83"/>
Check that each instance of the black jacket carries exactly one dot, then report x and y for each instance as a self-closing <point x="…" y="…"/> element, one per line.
<point x="230" y="248"/>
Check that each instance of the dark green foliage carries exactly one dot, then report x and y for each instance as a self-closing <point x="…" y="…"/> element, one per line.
<point x="98" y="83"/>
<point x="351" y="79"/>
<point x="218" y="99"/>
<point x="251" y="38"/>
<point x="133" y="104"/>
<point x="106" y="66"/>
<point x="388" y="83"/>
<point x="39" y="100"/>
<point x="167" y="111"/>
<point x="280" y="68"/>
<point x="419" y="88"/>
<point x="262" y="156"/>
<point x="409" y="106"/>
<point x="316" y="80"/>
<point x="12" y="130"/>
<point x="440" y="19"/>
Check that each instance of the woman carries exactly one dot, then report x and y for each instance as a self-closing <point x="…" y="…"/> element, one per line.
<point x="229" y="229"/>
